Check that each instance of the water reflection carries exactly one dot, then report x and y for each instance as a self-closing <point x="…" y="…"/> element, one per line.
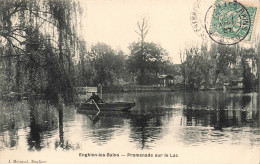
<point x="42" y="119"/>
<point x="101" y="129"/>
<point x="146" y="130"/>
<point x="226" y="112"/>
<point x="11" y="119"/>
<point x="189" y="118"/>
<point x="34" y="138"/>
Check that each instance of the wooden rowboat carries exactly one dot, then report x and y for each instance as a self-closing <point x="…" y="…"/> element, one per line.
<point x="117" y="106"/>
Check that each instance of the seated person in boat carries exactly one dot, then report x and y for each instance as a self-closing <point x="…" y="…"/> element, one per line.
<point x="96" y="98"/>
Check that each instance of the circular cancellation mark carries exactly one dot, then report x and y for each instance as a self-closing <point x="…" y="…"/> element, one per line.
<point x="197" y="16"/>
<point x="229" y="24"/>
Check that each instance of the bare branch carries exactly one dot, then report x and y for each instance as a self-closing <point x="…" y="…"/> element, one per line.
<point x="7" y="56"/>
<point x="145" y="33"/>
<point x="19" y="35"/>
<point x="43" y="18"/>
<point x="18" y="29"/>
<point x="15" y="9"/>
<point x="143" y="28"/>
<point x="143" y="23"/>
<point x="15" y="39"/>
<point x="139" y="26"/>
<point x="24" y="52"/>
<point x="138" y="33"/>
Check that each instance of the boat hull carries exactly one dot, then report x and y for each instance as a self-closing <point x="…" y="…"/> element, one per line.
<point x="118" y="106"/>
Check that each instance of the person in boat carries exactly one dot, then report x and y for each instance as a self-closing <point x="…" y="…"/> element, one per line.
<point x="96" y="98"/>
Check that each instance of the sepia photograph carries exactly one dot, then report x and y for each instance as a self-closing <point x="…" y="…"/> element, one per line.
<point x="129" y="81"/>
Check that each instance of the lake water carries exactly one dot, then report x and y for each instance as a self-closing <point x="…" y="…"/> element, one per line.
<point x="197" y="127"/>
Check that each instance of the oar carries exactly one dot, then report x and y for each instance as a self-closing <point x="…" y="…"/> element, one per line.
<point x="97" y="107"/>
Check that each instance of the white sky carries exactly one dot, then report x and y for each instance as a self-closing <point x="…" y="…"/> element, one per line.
<point x="114" y="22"/>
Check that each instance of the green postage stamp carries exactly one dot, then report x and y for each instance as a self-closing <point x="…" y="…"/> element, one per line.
<point x="230" y="22"/>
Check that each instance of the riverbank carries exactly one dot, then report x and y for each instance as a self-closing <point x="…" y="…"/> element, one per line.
<point x="144" y="88"/>
<point x="149" y="88"/>
<point x="136" y="88"/>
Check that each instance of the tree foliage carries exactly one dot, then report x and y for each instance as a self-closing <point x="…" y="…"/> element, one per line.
<point x="146" y="60"/>
<point x="218" y="65"/>
<point x="225" y="56"/>
<point x="148" y="63"/>
<point x="102" y="65"/>
<point x="192" y="66"/>
<point x="39" y="39"/>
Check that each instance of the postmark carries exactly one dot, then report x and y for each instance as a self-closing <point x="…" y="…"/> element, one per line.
<point x="197" y="16"/>
<point x="230" y="22"/>
<point x="197" y="20"/>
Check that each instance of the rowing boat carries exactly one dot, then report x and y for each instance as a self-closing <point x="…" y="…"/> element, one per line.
<point x="115" y="106"/>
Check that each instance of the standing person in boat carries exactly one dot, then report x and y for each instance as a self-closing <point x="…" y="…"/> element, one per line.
<point x="96" y="98"/>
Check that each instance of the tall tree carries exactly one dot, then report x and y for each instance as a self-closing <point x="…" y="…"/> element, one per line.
<point x="191" y="66"/>
<point x="224" y="56"/>
<point x="146" y="64"/>
<point x="142" y="32"/>
<point x="44" y="33"/>
<point x="248" y="63"/>
<point x="107" y="63"/>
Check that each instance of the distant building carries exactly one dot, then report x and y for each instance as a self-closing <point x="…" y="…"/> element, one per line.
<point x="165" y="80"/>
<point x="83" y="93"/>
<point x="237" y="84"/>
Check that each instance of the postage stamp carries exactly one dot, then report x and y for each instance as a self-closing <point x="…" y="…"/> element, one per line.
<point x="230" y="22"/>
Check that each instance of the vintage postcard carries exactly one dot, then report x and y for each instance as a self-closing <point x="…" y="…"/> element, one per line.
<point x="129" y="81"/>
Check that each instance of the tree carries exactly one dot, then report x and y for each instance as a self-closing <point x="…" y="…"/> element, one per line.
<point x="190" y="67"/>
<point x="42" y="37"/>
<point x="107" y="63"/>
<point x="147" y="62"/>
<point x="84" y="70"/>
<point x="143" y="30"/>
<point x="197" y="67"/>
<point x="248" y="63"/>
<point x="225" y="56"/>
